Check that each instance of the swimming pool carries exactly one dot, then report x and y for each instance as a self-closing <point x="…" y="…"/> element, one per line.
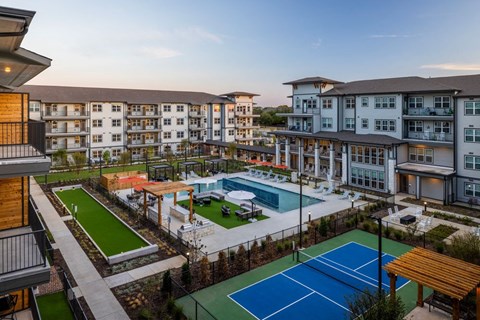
<point x="274" y="198"/>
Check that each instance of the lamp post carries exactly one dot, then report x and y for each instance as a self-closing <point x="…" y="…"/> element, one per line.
<point x="178" y="176"/>
<point x="379" y="221"/>
<point x="188" y="257"/>
<point x="301" y="205"/>
<point x="309" y="216"/>
<point x="425" y="204"/>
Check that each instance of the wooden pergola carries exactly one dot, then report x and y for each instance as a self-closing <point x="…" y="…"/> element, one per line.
<point x="162" y="188"/>
<point x="452" y="277"/>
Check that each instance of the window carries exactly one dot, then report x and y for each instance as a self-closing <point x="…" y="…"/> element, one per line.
<point x="349" y="123"/>
<point x="472" y="162"/>
<point x="311" y="103"/>
<point x="297" y="105"/>
<point x="327" y="122"/>
<point x="167" y="108"/>
<point x="231" y="132"/>
<point x="116" y="122"/>
<point x="420" y="155"/>
<point x="216" y="120"/>
<point x="472" y="189"/>
<point x="415" y="102"/>
<point x="34" y="106"/>
<point x="167" y="121"/>
<point x="441" y="126"/>
<point x="116" y="108"/>
<point x="367" y="178"/>
<point x="96" y="154"/>
<point x="384" y="102"/>
<point x="180" y="134"/>
<point x="116" y="152"/>
<point x="364" y="101"/>
<point x="97" y="123"/>
<point x="97" y="108"/>
<point x="415" y="126"/>
<point x="179" y="108"/>
<point x="97" y="138"/>
<point x="472" y="135"/>
<point x="167" y="135"/>
<point x="231" y="120"/>
<point x="364" y="123"/>
<point x="367" y="155"/>
<point x="116" y="137"/>
<point x="216" y="133"/>
<point x="180" y="121"/>
<point x="327" y="103"/>
<point x="385" y="125"/>
<point x="350" y="103"/>
<point x="441" y="102"/>
<point x="472" y="108"/>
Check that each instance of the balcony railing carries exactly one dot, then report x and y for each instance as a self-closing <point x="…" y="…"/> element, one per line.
<point x="65" y="113"/>
<point x="144" y="113"/>
<point x="145" y="127"/>
<point x="22" y="139"/>
<point x="26" y="250"/>
<point x="196" y="113"/>
<point x="430" y="136"/>
<point x="307" y="111"/>
<point x="197" y="126"/>
<point x="66" y="146"/>
<point x="428" y="111"/>
<point x="66" y="129"/>
<point x="143" y="141"/>
<point x="300" y="129"/>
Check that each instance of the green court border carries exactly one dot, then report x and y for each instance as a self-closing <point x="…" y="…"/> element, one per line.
<point x="215" y="298"/>
<point x="111" y="235"/>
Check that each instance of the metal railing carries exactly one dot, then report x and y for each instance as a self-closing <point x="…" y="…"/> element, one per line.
<point x="66" y="146"/>
<point x="63" y="113"/>
<point x="72" y="298"/>
<point x="22" y="139"/>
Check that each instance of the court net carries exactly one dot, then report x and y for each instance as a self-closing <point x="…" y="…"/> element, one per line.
<point x="342" y="275"/>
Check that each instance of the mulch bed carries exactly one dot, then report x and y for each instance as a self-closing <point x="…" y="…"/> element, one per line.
<point x="471" y="212"/>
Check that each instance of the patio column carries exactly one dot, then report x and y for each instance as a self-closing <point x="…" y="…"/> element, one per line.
<point x="287" y="152"/>
<point x="159" y="210"/>
<point x="144" y="203"/>
<point x="393" y="285"/>
<point x="332" y="160"/>
<point x="277" y="153"/>
<point x="417" y="187"/>
<point x="301" y="160"/>
<point x="344" y="164"/>
<point x="456" y="309"/>
<point x="477" y="292"/>
<point x="191" y="206"/>
<point x="317" y="158"/>
<point x="420" y="295"/>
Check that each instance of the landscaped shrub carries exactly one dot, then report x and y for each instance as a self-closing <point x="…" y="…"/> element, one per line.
<point x="465" y="247"/>
<point x="323" y="227"/>
<point x="387" y="231"/>
<point x="167" y="282"/>
<point x="398" y="234"/>
<point x="204" y="271"/>
<point x="280" y="247"/>
<point x="146" y="314"/>
<point x="269" y="248"/>
<point x="241" y="260"/>
<point x="255" y="253"/>
<point x="170" y="304"/>
<point x="440" y="246"/>
<point x="222" y="264"/>
<point x="186" y="274"/>
<point x="231" y="255"/>
<point x="264" y="245"/>
<point x="178" y="312"/>
<point x="367" y="226"/>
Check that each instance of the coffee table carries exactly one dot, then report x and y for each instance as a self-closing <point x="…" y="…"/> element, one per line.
<point x="408" y="219"/>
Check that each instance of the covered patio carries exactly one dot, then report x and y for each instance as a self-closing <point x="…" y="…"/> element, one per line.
<point x="449" y="276"/>
<point x="216" y="165"/>
<point x="158" y="190"/>
<point x="158" y="172"/>
<point x="189" y="165"/>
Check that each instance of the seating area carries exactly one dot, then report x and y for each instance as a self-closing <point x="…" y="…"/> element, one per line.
<point x="208" y="195"/>
<point x="7" y="306"/>
<point x="225" y="211"/>
<point x="248" y="211"/>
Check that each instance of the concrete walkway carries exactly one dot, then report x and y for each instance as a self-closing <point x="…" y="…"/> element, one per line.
<point x="94" y="289"/>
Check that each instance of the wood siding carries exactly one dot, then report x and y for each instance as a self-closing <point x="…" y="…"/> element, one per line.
<point x="12" y="213"/>
<point x="13" y="108"/>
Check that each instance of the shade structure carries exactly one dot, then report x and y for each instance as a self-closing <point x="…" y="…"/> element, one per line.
<point x="206" y="181"/>
<point x="241" y="195"/>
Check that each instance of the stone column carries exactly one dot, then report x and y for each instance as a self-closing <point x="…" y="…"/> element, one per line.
<point x="287" y="152"/>
<point x="301" y="159"/>
<point x="277" y="153"/>
<point x="345" y="164"/>
<point x="417" y="187"/>
<point x="317" y="158"/>
<point x="332" y="160"/>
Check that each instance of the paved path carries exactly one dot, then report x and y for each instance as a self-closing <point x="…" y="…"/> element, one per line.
<point x="94" y="289"/>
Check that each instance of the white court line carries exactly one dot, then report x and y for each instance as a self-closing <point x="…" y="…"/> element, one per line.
<point x="289" y="305"/>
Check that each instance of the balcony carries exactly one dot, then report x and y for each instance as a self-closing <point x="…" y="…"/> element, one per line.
<point x="80" y="146"/>
<point x="66" y="131"/>
<point x="140" y="128"/>
<point x="441" y="137"/>
<point x="244" y="114"/>
<point x="23" y="262"/>
<point x="22" y="149"/>
<point x="245" y="125"/>
<point x="65" y="114"/>
<point x="445" y="114"/>
<point x="143" y="113"/>
<point x="308" y="129"/>
<point x="196" y="139"/>
<point x="196" y="126"/>
<point x="143" y="142"/>
<point x="196" y="114"/>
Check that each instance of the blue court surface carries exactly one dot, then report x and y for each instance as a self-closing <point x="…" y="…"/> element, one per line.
<point x="303" y="292"/>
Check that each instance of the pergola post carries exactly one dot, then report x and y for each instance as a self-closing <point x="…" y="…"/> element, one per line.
<point x="456" y="309"/>
<point x="420" y="295"/>
<point x="191" y="206"/>
<point x="159" y="210"/>
<point x="144" y="203"/>
<point x="393" y="286"/>
<point x="478" y="301"/>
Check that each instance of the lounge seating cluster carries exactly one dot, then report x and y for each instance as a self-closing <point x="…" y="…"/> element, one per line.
<point x="248" y="211"/>
<point x="225" y="211"/>
<point x="210" y="195"/>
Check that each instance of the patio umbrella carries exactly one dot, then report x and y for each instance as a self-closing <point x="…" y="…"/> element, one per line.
<point x="242" y="195"/>
<point x="206" y="181"/>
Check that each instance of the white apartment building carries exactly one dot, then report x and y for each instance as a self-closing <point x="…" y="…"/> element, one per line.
<point x="93" y="120"/>
<point x="414" y="135"/>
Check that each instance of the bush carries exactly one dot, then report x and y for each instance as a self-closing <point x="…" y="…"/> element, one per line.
<point x="231" y="255"/>
<point x="186" y="274"/>
<point x="387" y="232"/>
<point x="263" y="244"/>
<point x="348" y="224"/>
<point x="367" y="226"/>
<point x="440" y="247"/>
<point x="170" y="304"/>
<point x="398" y="235"/>
<point x="280" y="247"/>
<point x="222" y="263"/>
<point x="323" y="227"/>
<point x="178" y="312"/>
<point x="465" y="247"/>
<point x="254" y="253"/>
<point x="167" y="282"/>
<point x="145" y="314"/>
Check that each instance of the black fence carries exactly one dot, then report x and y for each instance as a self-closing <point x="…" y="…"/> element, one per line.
<point x="191" y="307"/>
<point x="22" y="139"/>
<point x="72" y="299"/>
<point x="33" y="305"/>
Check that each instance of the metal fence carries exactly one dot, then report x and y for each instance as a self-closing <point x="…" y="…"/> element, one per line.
<point x="22" y="139"/>
<point x="191" y="307"/>
<point x="72" y="299"/>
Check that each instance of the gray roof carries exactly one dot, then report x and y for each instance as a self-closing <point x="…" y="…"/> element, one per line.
<point x="61" y="94"/>
<point x="390" y="85"/>
<point x="244" y="147"/>
<point x="468" y="85"/>
<point x="240" y="93"/>
<point x="313" y="80"/>
<point x="345" y="136"/>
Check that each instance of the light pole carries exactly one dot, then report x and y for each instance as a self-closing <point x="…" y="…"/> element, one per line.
<point x="425" y="204"/>
<point x="309" y="216"/>
<point x="301" y="205"/>
<point x="379" y="221"/>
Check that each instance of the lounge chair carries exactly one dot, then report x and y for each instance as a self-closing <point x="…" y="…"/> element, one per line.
<point x="391" y="215"/>
<point x="418" y="212"/>
<point x="193" y="174"/>
<point x="250" y="172"/>
<point x="397" y="212"/>
<point x="268" y="175"/>
<point x="283" y="179"/>
<point x="225" y="211"/>
<point x="329" y="191"/>
<point x="320" y="189"/>
<point x="345" y="195"/>
<point x="356" y="196"/>
<point x="274" y="178"/>
<point x="183" y="175"/>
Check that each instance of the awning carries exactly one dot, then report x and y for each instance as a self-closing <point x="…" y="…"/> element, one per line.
<point x="425" y="170"/>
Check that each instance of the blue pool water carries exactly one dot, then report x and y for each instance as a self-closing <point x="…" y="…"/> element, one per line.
<point x="278" y="200"/>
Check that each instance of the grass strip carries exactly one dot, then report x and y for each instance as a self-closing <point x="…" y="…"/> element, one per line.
<point x="54" y="306"/>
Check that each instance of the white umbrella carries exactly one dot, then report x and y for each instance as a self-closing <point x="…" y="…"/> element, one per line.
<point x="242" y="195"/>
<point x="206" y="181"/>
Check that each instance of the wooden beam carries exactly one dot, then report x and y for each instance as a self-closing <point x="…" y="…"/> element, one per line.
<point x="456" y="309"/>
<point x="477" y="291"/>
<point x="159" y="212"/>
<point x="144" y="203"/>
<point x="393" y="285"/>
<point x="420" y="295"/>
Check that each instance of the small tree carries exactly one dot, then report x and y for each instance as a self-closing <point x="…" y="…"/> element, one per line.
<point x="124" y="159"/>
<point x="167" y="283"/>
<point x="186" y="274"/>
<point x="79" y="159"/>
<point x="232" y="150"/>
<point x="323" y="227"/>
<point x="368" y="305"/>
<point x="184" y="143"/>
<point x="241" y="260"/>
<point x="269" y="248"/>
<point x="169" y="156"/>
<point x="60" y="157"/>
<point x="222" y="264"/>
<point x="106" y="156"/>
<point x="205" y="271"/>
<point x="465" y="247"/>
<point x="255" y="253"/>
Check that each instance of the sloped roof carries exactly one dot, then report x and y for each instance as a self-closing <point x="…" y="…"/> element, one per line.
<point x="312" y="80"/>
<point x="240" y="93"/>
<point x="468" y="85"/>
<point x="63" y="94"/>
<point x="390" y="85"/>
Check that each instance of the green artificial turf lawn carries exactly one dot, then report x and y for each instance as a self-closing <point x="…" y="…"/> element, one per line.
<point x="54" y="306"/>
<point x="112" y="236"/>
<point x="213" y="213"/>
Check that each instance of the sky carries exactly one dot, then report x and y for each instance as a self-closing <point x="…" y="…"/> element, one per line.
<point x="250" y="45"/>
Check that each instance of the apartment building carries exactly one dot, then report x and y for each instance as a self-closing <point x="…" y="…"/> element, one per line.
<point x="411" y="134"/>
<point x="93" y="120"/>
<point x="23" y="262"/>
